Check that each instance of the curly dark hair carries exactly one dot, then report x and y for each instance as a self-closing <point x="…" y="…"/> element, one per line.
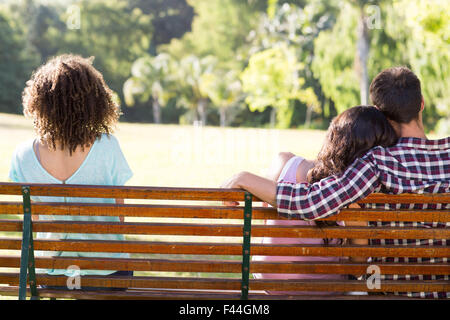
<point x="70" y="103"/>
<point x="350" y="136"/>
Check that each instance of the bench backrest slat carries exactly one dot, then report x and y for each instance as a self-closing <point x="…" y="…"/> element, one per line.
<point x="211" y="248"/>
<point x="228" y="230"/>
<point x="214" y="212"/>
<point x="205" y="194"/>
<point x="226" y="266"/>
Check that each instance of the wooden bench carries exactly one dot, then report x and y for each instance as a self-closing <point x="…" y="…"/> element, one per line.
<point x="205" y="253"/>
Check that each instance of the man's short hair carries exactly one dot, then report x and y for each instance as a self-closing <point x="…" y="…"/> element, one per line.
<point x="397" y="93"/>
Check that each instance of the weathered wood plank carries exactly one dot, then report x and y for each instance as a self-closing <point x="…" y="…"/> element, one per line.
<point x="230" y="248"/>
<point x="215" y="212"/>
<point x="227" y="266"/>
<point x="222" y="230"/>
<point x="211" y="194"/>
<point x="234" y="284"/>
<point x="125" y="192"/>
<point x="162" y="294"/>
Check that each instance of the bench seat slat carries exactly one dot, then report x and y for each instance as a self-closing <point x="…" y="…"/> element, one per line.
<point x="234" y="284"/>
<point x="187" y="295"/>
<point x="229" y="248"/>
<point x="192" y="229"/>
<point x="127" y="295"/>
<point x="227" y="266"/>
<point x="215" y="266"/>
<point x="133" y="282"/>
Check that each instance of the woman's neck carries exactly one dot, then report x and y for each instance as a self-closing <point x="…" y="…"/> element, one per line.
<point x="57" y="148"/>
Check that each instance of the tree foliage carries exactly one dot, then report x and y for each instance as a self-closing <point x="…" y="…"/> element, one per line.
<point x="424" y="38"/>
<point x="171" y="19"/>
<point x="16" y="64"/>
<point x="189" y="77"/>
<point x="224" y="89"/>
<point x="297" y="28"/>
<point x="335" y="63"/>
<point x="151" y="79"/>
<point x="220" y="28"/>
<point x="233" y="61"/>
<point x="272" y="79"/>
<point x="115" y="37"/>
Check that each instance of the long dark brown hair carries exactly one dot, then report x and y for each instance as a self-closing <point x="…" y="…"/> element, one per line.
<point x="70" y="103"/>
<point x="350" y="136"/>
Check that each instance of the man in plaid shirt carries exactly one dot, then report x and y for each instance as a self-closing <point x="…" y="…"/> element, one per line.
<point x="414" y="165"/>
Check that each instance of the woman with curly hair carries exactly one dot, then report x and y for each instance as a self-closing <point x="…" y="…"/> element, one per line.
<point x="74" y="113"/>
<point x="350" y="136"/>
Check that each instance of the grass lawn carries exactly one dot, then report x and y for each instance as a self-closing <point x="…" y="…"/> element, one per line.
<point x="182" y="156"/>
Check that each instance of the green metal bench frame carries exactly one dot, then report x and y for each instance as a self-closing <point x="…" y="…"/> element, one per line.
<point x="27" y="269"/>
<point x="27" y="265"/>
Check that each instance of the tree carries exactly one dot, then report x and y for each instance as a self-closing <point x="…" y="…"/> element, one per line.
<point x="362" y="50"/>
<point x="15" y="65"/>
<point x="336" y="61"/>
<point x="171" y="19"/>
<point x="189" y="75"/>
<point x="220" y="28"/>
<point x="272" y="79"/>
<point x="37" y="19"/>
<point x="346" y="49"/>
<point x="224" y="89"/>
<point x="150" y="80"/>
<point x="424" y="39"/>
<point x="109" y="32"/>
<point x="297" y="28"/>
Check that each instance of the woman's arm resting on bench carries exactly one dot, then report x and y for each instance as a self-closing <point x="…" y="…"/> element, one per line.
<point x="264" y="189"/>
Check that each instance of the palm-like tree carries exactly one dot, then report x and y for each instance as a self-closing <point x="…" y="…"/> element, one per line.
<point x="363" y="47"/>
<point x="151" y="79"/>
<point x="224" y="89"/>
<point x="189" y="75"/>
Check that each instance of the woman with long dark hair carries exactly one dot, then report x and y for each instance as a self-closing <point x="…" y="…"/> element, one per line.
<point x="350" y="136"/>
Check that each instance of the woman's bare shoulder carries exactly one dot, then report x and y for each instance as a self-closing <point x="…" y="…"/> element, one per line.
<point x="285" y="156"/>
<point x="303" y="169"/>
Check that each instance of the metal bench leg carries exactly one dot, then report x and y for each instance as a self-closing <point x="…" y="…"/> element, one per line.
<point x="246" y="246"/>
<point x="27" y="268"/>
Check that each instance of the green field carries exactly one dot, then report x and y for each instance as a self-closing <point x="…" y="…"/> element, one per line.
<point x="182" y="156"/>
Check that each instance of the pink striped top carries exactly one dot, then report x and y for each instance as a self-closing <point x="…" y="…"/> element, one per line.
<point x="289" y="174"/>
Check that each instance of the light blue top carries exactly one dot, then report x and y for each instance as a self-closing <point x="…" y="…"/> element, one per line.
<point x="105" y="164"/>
